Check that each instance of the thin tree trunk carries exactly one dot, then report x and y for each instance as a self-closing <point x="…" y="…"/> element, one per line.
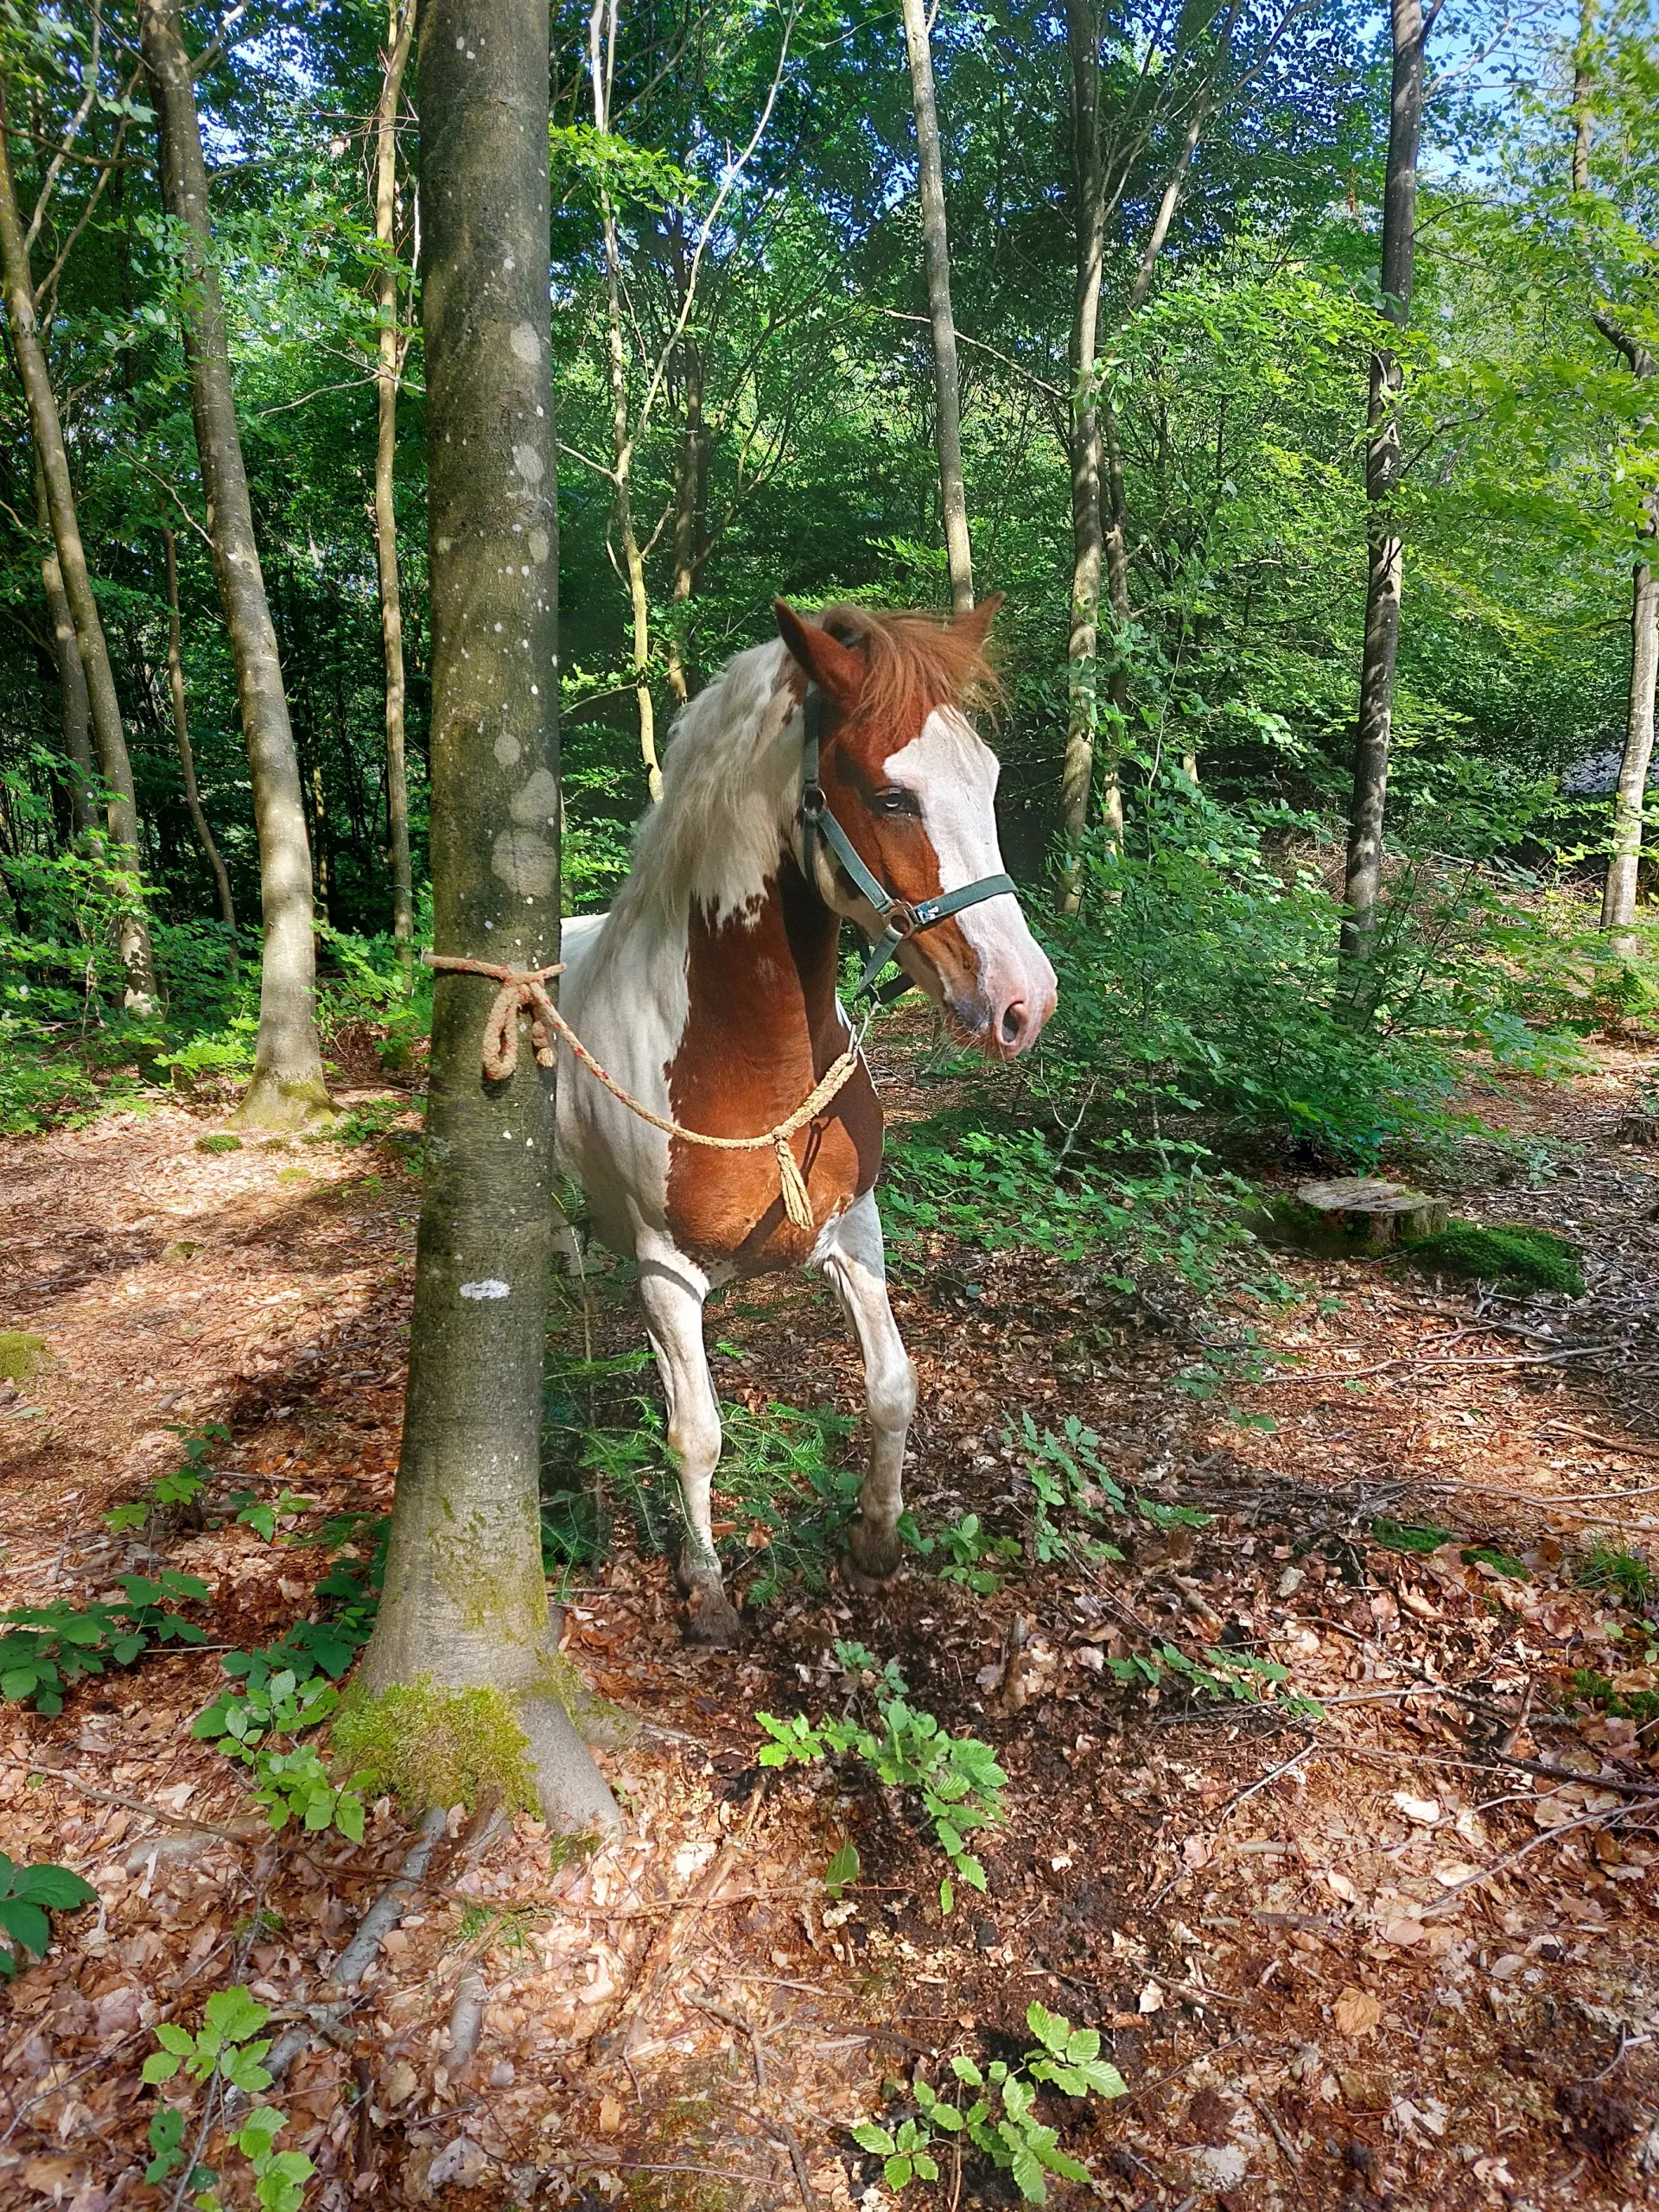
<point x="1083" y="654"/>
<point x="46" y="427"/>
<point x="388" y="374"/>
<point x="689" y="494"/>
<point x="1630" y="798"/>
<point x="936" y="253"/>
<point x="464" y="1601"/>
<point x="1618" y="893"/>
<point x="1384" y="462"/>
<point x="181" y="731"/>
<point x="75" y="715"/>
<point x="288" y="1088"/>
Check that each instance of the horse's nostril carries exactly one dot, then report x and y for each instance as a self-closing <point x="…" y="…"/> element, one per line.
<point x="1014" y="1020"/>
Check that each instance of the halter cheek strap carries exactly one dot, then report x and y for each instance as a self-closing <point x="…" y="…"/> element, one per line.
<point x="898" y="919"/>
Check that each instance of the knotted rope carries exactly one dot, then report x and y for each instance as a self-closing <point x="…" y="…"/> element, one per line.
<point x="522" y="991"/>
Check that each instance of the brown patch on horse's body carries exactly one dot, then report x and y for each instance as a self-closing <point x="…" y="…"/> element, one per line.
<point x="762" y="1027"/>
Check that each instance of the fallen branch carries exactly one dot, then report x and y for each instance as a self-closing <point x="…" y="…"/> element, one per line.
<point x="253" y="1834"/>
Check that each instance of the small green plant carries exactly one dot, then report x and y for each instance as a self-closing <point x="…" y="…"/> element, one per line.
<point x="843" y="1871"/>
<point x="181" y="1488"/>
<point x="220" y="1141"/>
<point x="262" y="1516"/>
<point x="1513" y="1258"/>
<point x="1000" y="2123"/>
<point x="957" y="1778"/>
<point x="290" y="1783"/>
<point x="1240" y="1676"/>
<point x="368" y="1123"/>
<point x="1624" y="1574"/>
<point x="46" y="1650"/>
<point x="226" y="2052"/>
<point x="27" y="1895"/>
<point x="1598" y="1689"/>
<point x="969" y="1547"/>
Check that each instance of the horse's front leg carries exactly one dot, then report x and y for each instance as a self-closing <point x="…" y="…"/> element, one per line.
<point x="672" y="1292"/>
<point x="856" y="1263"/>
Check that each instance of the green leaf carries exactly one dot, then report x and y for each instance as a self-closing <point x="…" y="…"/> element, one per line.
<point x="842" y="1869"/>
<point x="26" y="1925"/>
<point x="234" y="2014"/>
<point x="174" y="2038"/>
<point x="898" y="2171"/>
<point x="869" y="2137"/>
<point x="1028" y="2175"/>
<point x="54" y="1886"/>
<point x="160" y="2066"/>
<point x="947" y="1896"/>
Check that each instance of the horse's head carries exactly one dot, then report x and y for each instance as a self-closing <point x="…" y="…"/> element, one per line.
<point x="913" y="787"/>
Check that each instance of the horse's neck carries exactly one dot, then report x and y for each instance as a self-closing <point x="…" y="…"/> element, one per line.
<point x="765" y="978"/>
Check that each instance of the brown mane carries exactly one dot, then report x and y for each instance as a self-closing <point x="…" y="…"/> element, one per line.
<point x="917" y="661"/>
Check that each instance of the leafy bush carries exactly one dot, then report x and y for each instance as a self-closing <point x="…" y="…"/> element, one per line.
<point x="291" y="1784"/>
<point x="227" y="2053"/>
<point x="1012" y="2138"/>
<point x="27" y="1895"/>
<point x="957" y="1778"/>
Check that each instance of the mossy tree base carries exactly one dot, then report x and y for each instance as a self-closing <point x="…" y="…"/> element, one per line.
<point x="275" y="1102"/>
<point x="435" y="1746"/>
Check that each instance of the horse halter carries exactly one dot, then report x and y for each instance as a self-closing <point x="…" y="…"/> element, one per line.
<point x="899" y="919"/>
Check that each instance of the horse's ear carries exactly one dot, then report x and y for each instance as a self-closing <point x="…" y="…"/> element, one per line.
<point x="834" y="667"/>
<point x="976" y="623"/>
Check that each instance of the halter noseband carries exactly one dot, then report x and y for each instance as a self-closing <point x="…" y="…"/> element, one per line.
<point x="898" y="919"/>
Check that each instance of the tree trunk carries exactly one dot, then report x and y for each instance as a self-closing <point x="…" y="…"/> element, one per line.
<point x="1581" y="100"/>
<point x="74" y="712"/>
<point x="181" y="731"/>
<point x="1383" y="464"/>
<point x="1082" y="655"/>
<point x="46" y="427"/>
<point x="690" y="488"/>
<point x="1618" y="893"/>
<point x="288" y="1087"/>
<point x="464" y="1601"/>
<point x="936" y="251"/>
<point x="388" y="373"/>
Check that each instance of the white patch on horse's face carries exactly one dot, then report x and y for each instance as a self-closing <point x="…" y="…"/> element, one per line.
<point x="952" y="773"/>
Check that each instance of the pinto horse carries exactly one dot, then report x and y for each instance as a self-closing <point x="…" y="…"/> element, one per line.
<point x="709" y="991"/>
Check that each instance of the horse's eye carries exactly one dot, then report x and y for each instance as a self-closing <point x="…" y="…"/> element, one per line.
<point x="895" y="800"/>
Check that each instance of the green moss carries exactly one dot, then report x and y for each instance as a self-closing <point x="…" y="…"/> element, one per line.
<point x="21" y="1355"/>
<point x="1525" y="1259"/>
<point x="439" y="1747"/>
<point x="220" y="1141"/>
<point x="597" y="1719"/>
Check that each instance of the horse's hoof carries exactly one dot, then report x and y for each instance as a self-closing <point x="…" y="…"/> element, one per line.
<point x="873" y="1557"/>
<point x="710" y="1616"/>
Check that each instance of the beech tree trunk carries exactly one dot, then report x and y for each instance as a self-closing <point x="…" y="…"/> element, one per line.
<point x="1618" y="892"/>
<point x="1088" y="544"/>
<point x="288" y="1088"/>
<point x="936" y="253"/>
<point x="465" y="1600"/>
<point x="1384" y="460"/>
<point x="388" y="374"/>
<point x="46" y="428"/>
<point x="73" y="711"/>
<point x="181" y="731"/>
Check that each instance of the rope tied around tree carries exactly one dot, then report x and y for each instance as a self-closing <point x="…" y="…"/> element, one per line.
<point x="523" y="990"/>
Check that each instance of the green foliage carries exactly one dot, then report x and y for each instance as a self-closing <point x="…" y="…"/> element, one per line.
<point x="1494" y="1556"/>
<point x="181" y="1487"/>
<point x="433" y="1746"/>
<point x="1514" y="1257"/>
<point x="1001" y="2122"/>
<point x="219" y="1140"/>
<point x="225" y="2053"/>
<point x="1625" y="1575"/>
<point x="291" y="1783"/>
<point x="967" y="1547"/>
<point x="1597" y="1690"/>
<point x="1241" y="1675"/>
<point x="957" y="1778"/>
<point x="27" y="1895"/>
<point x="46" y="1650"/>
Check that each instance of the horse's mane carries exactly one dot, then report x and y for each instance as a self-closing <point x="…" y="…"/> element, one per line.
<point x="731" y="770"/>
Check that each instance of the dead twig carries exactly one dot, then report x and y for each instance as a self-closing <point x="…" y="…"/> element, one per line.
<point x="743" y="2025"/>
<point x="253" y="1834"/>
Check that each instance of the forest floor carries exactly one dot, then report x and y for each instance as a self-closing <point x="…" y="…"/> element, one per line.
<point x="1398" y="1952"/>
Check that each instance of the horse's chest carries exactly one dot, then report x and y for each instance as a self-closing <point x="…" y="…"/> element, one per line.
<point x="727" y="1206"/>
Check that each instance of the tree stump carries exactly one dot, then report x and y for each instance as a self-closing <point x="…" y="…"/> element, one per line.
<point x="1353" y="1210"/>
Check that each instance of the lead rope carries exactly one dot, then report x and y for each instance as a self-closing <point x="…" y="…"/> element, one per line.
<point x="522" y="991"/>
